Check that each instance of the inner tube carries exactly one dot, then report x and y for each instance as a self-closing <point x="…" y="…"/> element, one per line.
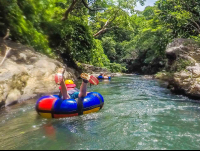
<point x="54" y="107"/>
<point x="102" y="77"/>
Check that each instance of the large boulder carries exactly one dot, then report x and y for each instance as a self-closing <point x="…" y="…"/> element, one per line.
<point x="184" y="62"/>
<point x="183" y="48"/>
<point x="25" y="74"/>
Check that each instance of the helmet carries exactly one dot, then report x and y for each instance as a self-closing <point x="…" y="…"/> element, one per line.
<point x="70" y="85"/>
<point x="69" y="82"/>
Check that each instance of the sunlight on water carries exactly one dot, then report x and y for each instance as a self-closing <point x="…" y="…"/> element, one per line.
<point x="138" y="114"/>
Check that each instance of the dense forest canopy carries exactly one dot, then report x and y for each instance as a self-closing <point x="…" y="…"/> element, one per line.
<point x="105" y="33"/>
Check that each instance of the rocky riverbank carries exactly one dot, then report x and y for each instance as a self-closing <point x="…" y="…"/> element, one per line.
<point x="183" y="69"/>
<point x="90" y="69"/>
<point x="26" y="73"/>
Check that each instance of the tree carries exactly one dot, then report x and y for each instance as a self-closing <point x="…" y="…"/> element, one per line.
<point x="115" y="16"/>
<point x="72" y="7"/>
<point x="109" y="48"/>
<point x="113" y="13"/>
<point x="180" y="16"/>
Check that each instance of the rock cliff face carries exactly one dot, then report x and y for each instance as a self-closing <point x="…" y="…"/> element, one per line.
<point x="183" y="49"/>
<point x="184" y="62"/>
<point x="26" y="74"/>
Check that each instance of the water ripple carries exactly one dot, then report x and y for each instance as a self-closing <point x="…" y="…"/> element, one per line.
<point x="139" y="114"/>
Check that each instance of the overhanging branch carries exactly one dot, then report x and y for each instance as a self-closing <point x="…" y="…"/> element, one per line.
<point x="69" y="10"/>
<point x="86" y="5"/>
<point x="108" y="22"/>
<point x="66" y="14"/>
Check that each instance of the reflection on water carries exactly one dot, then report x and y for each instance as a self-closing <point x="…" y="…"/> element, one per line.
<point x="138" y="114"/>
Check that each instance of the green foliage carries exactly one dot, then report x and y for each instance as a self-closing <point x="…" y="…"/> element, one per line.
<point x="109" y="47"/>
<point x="21" y="27"/>
<point x="149" y="13"/>
<point x="80" y="66"/>
<point x="46" y="32"/>
<point x="180" y="65"/>
<point x="115" y="42"/>
<point x="197" y="39"/>
<point x="97" y="56"/>
<point x="78" y="39"/>
<point x="148" y="43"/>
<point x="164" y="75"/>
<point x="139" y="37"/>
<point x="114" y="67"/>
<point x="180" y="16"/>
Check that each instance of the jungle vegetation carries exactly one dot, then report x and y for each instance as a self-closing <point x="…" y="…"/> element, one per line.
<point x="104" y="33"/>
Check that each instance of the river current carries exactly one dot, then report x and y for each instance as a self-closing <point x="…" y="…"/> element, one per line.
<point x="138" y="114"/>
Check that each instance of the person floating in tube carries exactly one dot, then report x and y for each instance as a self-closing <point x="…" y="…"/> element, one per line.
<point x="103" y="76"/>
<point x="68" y="89"/>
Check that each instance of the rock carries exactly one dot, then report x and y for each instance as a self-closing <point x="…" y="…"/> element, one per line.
<point x="13" y="96"/>
<point x="22" y="56"/>
<point x="182" y="75"/>
<point x="194" y="91"/>
<point x="26" y="74"/>
<point x="183" y="48"/>
<point x="187" y="80"/>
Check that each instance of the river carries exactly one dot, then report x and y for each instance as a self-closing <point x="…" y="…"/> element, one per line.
<point x="138" y="114"/>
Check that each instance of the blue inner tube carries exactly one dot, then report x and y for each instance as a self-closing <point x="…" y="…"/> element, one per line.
<point x="101" y="77"/>
<point x="54" y="107"/>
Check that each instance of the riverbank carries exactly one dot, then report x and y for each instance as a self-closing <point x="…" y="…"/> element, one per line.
<point x="95" y="71"/>
<point x="26" y="74"/>
<point x="183" y="68"/>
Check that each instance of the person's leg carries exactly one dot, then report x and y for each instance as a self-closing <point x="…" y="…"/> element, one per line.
<point x="59" y="79"/>
<point x="83" y="89"/>
<point x="64" y="91"/>
<point x="87" y="78"/>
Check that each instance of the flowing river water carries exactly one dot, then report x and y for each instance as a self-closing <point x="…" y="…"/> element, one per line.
<point x="138" y="114"/>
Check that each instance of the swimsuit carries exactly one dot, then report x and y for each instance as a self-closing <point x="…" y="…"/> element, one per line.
<point x="74" y="93"/>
